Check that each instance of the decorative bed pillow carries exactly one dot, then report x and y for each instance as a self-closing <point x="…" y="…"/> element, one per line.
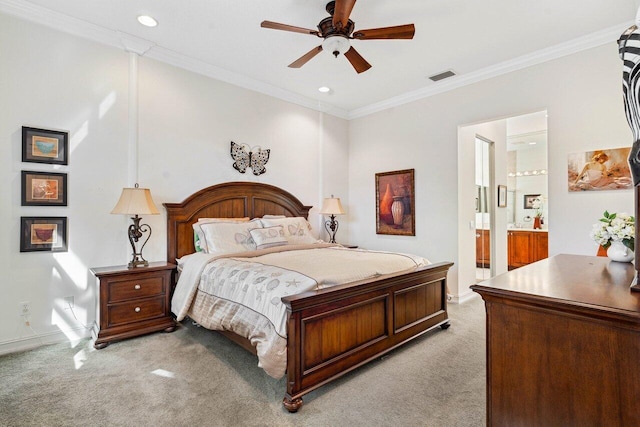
<point x="297" y="230"/>
<point x="198" y="235"/>
<point x="227" y="237"/>
<point x="273" y="216"/>
<point x="268" y="237"/>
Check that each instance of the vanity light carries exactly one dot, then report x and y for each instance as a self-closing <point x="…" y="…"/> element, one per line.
<point x="147" y="21"/>
<point x="324" y="89"/>
<point x="528" y="173"/>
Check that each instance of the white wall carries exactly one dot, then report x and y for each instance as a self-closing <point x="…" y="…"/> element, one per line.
<point x="57" y="81"/>
<point x="582" y="94"/>
<point x="186" y="122"/>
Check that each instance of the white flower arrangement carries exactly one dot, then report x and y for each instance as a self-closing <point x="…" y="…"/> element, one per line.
<point x="537" y="205"/>
<point x="615" y="227"/>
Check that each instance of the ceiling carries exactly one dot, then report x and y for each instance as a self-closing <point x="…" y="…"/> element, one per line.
<point x="476" y="39"/>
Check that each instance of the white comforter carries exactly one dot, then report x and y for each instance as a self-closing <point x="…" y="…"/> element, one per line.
<point x="247" y="288"/>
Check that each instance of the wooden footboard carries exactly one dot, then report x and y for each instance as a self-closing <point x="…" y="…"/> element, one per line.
<point x="336" y="330"/>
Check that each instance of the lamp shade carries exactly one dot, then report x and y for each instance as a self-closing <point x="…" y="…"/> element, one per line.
<point x="135" y="201"/>
<point x="332" y="206"/>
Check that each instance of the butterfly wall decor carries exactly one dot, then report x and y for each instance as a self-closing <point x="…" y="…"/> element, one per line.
<point x="245" y="157"/>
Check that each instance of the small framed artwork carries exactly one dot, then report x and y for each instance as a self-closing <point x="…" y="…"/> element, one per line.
<point x="502" y="196"/>
<point x="529" y="199"/>
<point x="395" y="203"/>
<point x="43" y="234"/>
<point x="44" y="146"/>
<point x="44" y="189"/>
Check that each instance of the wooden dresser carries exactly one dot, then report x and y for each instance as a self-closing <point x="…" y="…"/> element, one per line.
<point x="132" y="301"/>
<point x="563" y="344"/>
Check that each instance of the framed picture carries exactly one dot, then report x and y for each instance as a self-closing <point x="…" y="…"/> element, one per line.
<point x="604" y="169"/>
<point x="44" y="189"/>
<point x="529" y="199"/>
<point x="44" y="146"/>
<point x="43" y="233"/>
<point x="502" y="196"/>
<point x="395" y="203"/>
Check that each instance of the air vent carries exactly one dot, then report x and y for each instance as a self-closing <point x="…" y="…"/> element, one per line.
<point x="442" y="76"/>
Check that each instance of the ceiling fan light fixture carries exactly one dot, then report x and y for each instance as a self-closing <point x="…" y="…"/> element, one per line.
<point x="336" y="45"/>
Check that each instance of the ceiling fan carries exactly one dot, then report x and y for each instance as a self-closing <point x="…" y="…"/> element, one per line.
<point x="337" y="30"/>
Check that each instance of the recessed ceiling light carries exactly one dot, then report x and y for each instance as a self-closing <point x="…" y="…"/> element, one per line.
<point x="532" y="143"/>
<point x="324" y="89"/>
<point x="147" y="21"/>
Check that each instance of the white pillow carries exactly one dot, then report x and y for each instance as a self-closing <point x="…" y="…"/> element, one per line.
<point x="268" y="237"/>
<point x="198" y="235"/>
<point x="227" y="237"/>
<point x="297" y="230"/>
<point x="273" y="216"/>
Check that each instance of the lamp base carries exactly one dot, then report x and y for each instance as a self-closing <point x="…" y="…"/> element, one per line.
<point x="137" y="262"/>
<point x="136" y="231"/>
<point x="332" y="228"/>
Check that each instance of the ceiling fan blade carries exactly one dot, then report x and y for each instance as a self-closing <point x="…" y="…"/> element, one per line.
<point x="285" y="27"/>
<point x="306" y="57"/>
<point x="358" y="62"/>
<point x="398" y="32"/>
<point x="341" y="13"/>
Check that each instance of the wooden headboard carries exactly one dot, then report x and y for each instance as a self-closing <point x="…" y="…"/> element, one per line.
<point x="227" y="200"/>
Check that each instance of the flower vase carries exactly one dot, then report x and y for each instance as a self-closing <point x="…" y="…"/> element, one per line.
<point x="537" y="223"/>
<point x="397" y="211"/>
<point x="619" y="252"/>
<point x="385" y="206"/>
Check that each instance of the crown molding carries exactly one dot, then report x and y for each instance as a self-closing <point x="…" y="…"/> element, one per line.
<point x="77" y="27"/>
<point x="599" y="38"/>
<point x="117" y="39"/>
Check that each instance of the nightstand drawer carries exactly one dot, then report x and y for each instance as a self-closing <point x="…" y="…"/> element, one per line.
<point x="138" y="288"/>
<point x="136" y="311"/>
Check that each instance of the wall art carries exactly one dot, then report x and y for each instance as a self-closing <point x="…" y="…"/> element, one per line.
<point x="44" y="146"/>
<point x="530" y="200"/>
<point x="245" y="157"/>
<point x="44" y="189"/>
<point x="599" y="170"/>
<point x="395" y="203"/>
<point x="46" y="233"/>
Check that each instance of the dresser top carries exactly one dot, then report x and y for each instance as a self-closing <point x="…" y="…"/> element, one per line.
<point x="589" y="282"/>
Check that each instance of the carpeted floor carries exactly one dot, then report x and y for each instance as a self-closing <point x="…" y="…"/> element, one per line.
<point x="194" y="377"/>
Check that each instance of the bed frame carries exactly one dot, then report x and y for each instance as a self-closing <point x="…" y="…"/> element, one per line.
<point x="330" y="331"/>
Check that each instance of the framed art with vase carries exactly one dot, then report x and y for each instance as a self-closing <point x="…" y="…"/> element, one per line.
<point x="395" y="203"/>
<point x="43" y="234"/>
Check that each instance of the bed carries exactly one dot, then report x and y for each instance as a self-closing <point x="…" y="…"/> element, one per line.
<point x="329" y="331"/>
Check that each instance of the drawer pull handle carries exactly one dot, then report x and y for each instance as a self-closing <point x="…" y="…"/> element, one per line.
<point x="136" y="287"/>
<point x="137" y="310"/>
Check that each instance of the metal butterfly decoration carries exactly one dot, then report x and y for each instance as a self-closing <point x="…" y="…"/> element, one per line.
<point x="244" y="157"/>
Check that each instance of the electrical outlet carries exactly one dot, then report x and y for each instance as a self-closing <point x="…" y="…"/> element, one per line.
<point x="25" y="308"/>
<point x="68" y="302"/>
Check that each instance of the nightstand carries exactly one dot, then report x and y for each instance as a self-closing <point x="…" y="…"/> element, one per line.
<point x="132" y="301"/>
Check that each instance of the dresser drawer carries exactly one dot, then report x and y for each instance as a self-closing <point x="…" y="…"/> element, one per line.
<point x="136" y="311"/>
<point x="126" y="290"/>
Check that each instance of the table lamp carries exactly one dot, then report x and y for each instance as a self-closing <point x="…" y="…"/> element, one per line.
<point x="136" y="201"/>
<point x="332" y="206"/>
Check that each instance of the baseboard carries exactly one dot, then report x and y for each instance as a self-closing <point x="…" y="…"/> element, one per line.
<point x="461" y="299"/>
<point x="34" y="341"/>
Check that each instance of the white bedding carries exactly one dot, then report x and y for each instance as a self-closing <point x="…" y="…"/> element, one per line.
<point x="239" y="291"/>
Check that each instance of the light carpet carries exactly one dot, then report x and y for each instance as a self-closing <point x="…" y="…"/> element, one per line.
<point x="194" y="377"/>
